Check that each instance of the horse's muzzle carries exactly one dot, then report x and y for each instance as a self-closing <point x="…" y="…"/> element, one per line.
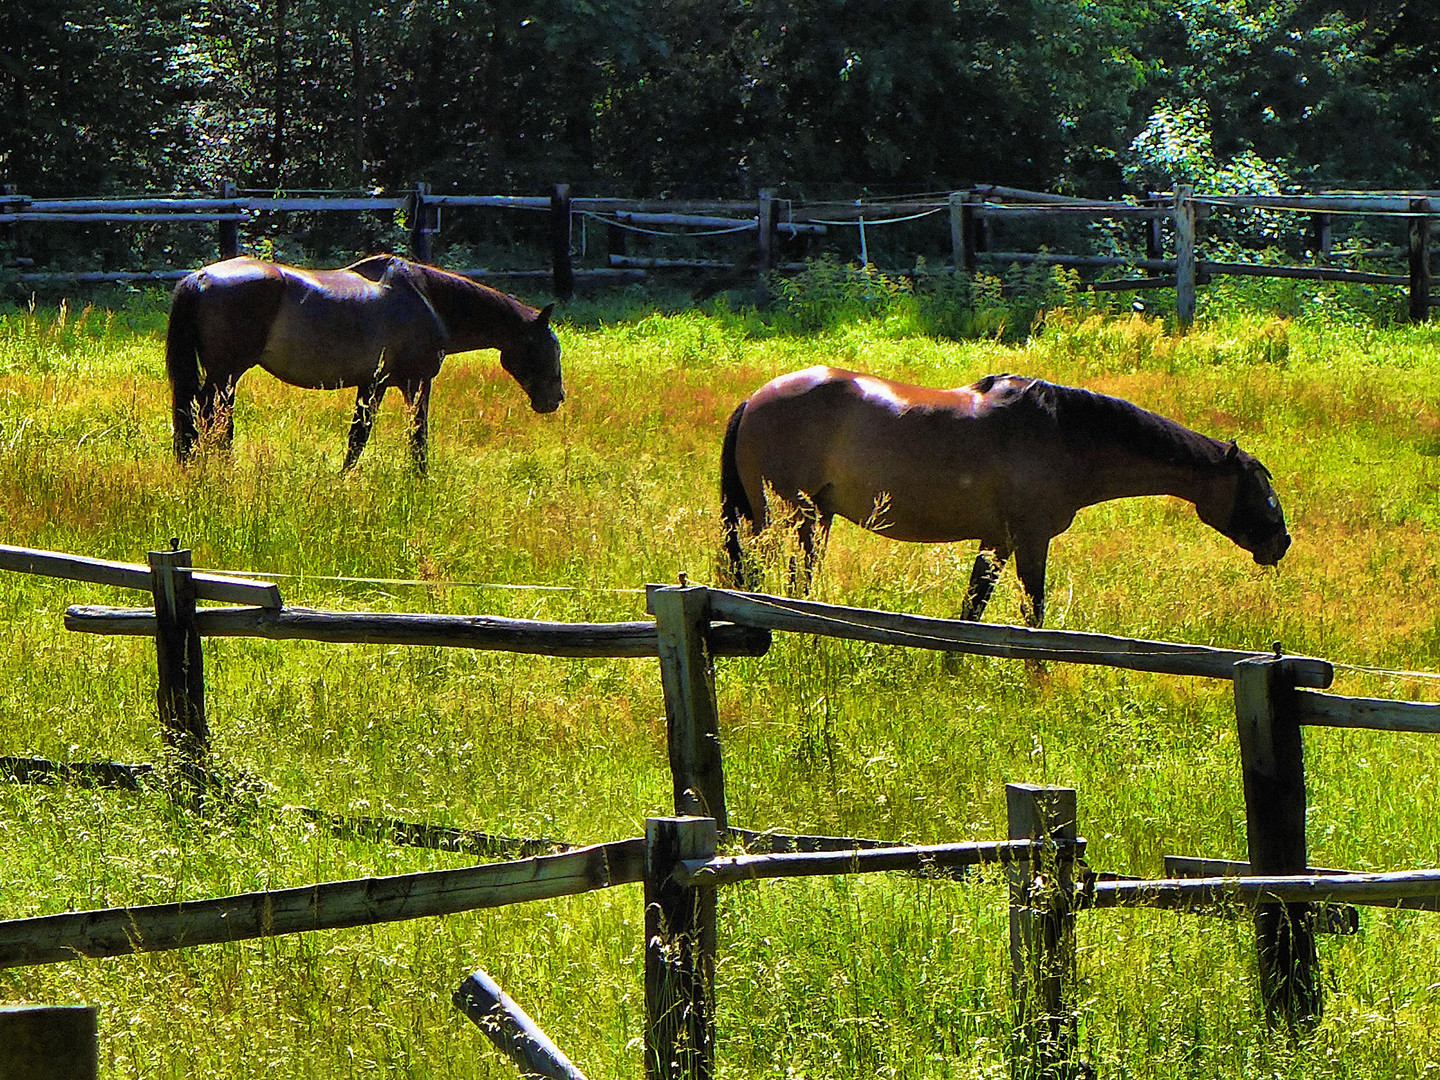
<point x="547" y="403"/>
<point x="1273" y="552"/>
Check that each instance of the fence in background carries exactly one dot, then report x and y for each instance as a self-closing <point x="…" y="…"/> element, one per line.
<point x="786" y="229"/>
<point x="679" y="862"/>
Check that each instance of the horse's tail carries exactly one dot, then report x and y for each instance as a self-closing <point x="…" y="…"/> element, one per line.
<point x="734" y="502"/>
<point x="182" y="363"/>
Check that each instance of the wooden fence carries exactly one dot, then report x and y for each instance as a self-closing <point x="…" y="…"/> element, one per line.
<point x="678" y="861"/>
<point x="967" y="215"/>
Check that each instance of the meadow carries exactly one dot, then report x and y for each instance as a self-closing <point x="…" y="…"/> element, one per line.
<point x="568" y="516"/>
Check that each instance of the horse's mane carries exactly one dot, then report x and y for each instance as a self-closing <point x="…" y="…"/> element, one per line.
<point x="1087" y="418"/>
<point x="448" y="291"/>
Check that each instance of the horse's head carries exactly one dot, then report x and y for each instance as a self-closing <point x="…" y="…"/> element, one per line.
<point x="533" y="359"/>
<point x="1252" y="517"/>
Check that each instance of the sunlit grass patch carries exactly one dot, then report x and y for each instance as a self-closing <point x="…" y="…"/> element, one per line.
<point x="568" y="516"/>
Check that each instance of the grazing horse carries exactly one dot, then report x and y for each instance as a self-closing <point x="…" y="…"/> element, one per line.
<point x="381" y="322"/>
<point x="1007" y="461"/>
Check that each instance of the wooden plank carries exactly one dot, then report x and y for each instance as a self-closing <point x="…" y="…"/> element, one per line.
<point x="374" y="204"/>
<point x="1374" y="714"/>
<point x="1380" y="890"/>
<point x="1273" y="771"/>
<point x="113" y="775"/>
<point x="1328" y="918"/>
<point x="1193" y="866"/>
<point x="230" y="204"/>
<point x="994" y="639"/>
<point x="57" y="564"/>
<point x="756" y="842"/>
<point x="687" y="676"/>
<point x="1335" y="204"/>
<point x="112" y="216"/>
<point x="730" y="869"/>
<point x="694" y="221"/>
<point x="1095" y="210"/>
<point x="679" y="952"/>
<point x="510" y="1028"/>
<point x="50" y="939"/>
<point x="627" y="639"/>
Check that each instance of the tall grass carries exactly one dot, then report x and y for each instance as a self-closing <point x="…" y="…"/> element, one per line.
<point x="847" y="977"/>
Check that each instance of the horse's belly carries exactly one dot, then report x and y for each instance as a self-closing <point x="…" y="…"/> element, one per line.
<point x="323" y="368"/>
<point x="926" y="516"/>
<point x="344" y="352"/>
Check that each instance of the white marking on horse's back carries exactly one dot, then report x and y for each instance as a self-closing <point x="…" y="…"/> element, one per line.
<point x="881" y="392"/>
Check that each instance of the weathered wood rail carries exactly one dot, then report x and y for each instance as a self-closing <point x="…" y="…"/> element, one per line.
<point x="679" y="862"/>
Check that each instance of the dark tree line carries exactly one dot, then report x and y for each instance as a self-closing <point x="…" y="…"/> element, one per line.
<point x="714" y="97"/>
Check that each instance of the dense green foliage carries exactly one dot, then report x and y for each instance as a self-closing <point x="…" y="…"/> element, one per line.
<point x="673" y="96"/>
<point x="846" y="978"/>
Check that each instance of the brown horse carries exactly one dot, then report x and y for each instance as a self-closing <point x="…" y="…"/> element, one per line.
<point x="379" y="323"/>
<point x="1007" y="461"/>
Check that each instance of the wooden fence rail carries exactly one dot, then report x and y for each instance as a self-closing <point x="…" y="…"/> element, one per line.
<point x="49" y="939"/>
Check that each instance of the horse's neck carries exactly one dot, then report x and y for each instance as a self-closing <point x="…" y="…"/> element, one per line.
<point x="1188" y="472"/>
<point x="475" y="317"/>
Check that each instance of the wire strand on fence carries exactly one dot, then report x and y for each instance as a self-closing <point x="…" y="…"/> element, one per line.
<point x="868" y="222"/>
<point x="681" y="235"/>
<point x="1392" y="673"/>
<point x="429" y="583"/>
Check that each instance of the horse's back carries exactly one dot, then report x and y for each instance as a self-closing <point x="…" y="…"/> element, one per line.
<point x="916" y="462"/>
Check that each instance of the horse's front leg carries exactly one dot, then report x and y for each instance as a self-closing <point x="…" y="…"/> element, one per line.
<point x="988" y="563"/>
<point x="367" y="404"/>
<point x="417" y="404"/>
<point x="1030" y="558"/>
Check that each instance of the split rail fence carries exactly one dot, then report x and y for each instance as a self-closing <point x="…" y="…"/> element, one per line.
<point x="679" y="861"/>
<point x="1169" y="220"/>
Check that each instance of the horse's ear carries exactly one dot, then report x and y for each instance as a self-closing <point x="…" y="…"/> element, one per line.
<point x="1232" y="451"/>
<point x="544" y="317"/>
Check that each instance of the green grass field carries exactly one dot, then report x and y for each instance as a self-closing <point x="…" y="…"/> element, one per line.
<point x="855" y="977"/>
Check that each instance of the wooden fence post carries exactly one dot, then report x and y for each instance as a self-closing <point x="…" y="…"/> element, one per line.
<point x="1420" y="260"/>
<point x="562" y="268"/>
<point x="48" y="1042"/>
<point x="1184" y="254"/>
<point x="1273" y="769"/>
<point x="1154" y="239"/>
<point x="1320" y="238"/>
<point x="687" y="673"/>
<point x="1042" y="932"/>
<point x="228" y="232"/>
<point x="962" y="231"/>
<point x="180" y="696"/>
<point x="679" y="953"/>
<point x="764" y="244"/>
<point x="424" y="224"/>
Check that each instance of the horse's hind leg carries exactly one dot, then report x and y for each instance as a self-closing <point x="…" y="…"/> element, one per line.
<point x="417" y="403"/>
<point x="367" y="404"/>
<point x="986" y="572"/>
<point x="215" y="412"/>
<point x="813" y="532"/>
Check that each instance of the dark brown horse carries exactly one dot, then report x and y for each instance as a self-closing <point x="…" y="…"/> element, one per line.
<point x="380" y="323"/>
<point x="1007" y="461"/>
